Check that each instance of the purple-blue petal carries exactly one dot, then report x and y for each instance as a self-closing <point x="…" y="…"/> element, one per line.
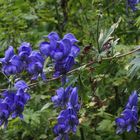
<point x="45" y="48"/>
<point x="21" y="84"/>
<point x="71" y="37"/>
<point x="9" y="53"/>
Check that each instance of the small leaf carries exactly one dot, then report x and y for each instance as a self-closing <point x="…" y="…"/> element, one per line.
<point x="47" y="105"/>
<point x="29" y="17"/>
<point x="134" y="66"/>
<point x="105" y="36"/>
<point x="106" y="125"/>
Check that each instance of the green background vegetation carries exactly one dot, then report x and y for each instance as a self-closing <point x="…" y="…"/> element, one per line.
<point x="104" y="87"/>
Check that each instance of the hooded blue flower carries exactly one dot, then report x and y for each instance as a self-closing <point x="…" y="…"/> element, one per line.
<point x="56" y="49"/>
<point x="129" y="117"/>
<point x="62" y="67"/>
<point x="71" y="37"/>
<point x="4" y="112"/>
<point x="35" y="65"/>
<point x="24" y="51"/>
<point x="9" y="98"/>
<point x="47" y="48"/>
<point x="11" y="62"/>
<point x="65" y="55"/>
<point x="132" y="4"/>
<point x="69" y="116"/>
<point x="61" y="130"/>
<point x="20" y="100"/>
<point x="73" y="100"/>
<point x="13" y="102"/>
<point x="62" y="96"/>
<point x="53" y="38"/>
<point x="9" y="53"/>
<point x="63" y="52"/>
<point x="67" y="120"/>
<point x="21" y="85"/>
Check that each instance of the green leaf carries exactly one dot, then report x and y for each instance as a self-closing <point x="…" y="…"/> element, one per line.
<point x="83" y="91"/>
<point x="134" y="66"/>
<point x="105" y="125"/>
<point x="138" y="22"/>
<point x="46" y="106"/>
<point x="105" y="36"/>
<point x="43" y="136"/>
<point x="29" y="17"/>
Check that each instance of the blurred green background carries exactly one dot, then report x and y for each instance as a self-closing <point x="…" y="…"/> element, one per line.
<point x="103" y="87"/>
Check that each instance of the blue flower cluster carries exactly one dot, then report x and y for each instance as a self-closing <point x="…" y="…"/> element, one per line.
<point x="132" y="4"/>
<point x="26" y="60"/>
<point x="62" y="51"/>
<point x="13" y="102"/>
<point x="67" y="119"/>
<point x="129" y="117"/>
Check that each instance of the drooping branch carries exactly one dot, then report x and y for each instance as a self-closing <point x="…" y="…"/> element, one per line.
<point x="86" y="66"/>
<point x="90" y="63"/>
<point x="103" y="59"/>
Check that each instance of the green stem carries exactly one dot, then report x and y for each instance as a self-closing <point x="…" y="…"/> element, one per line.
<point x="58" y="18"/>
<point x="98" y="22"/>
<point x="82" y="133"/>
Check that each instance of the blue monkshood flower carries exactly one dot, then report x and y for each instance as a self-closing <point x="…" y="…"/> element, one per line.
<point x="46" y="48"/>
<point x="67" y="122"/>
<point x="21" y="85"/>
<point x="35" y="65"/>
<point x="132" y="101"/>
<point x="63" y="52"/>
<point x="65" y="61"/>
<point x="69" y="116"/>
<point x="13" y="101"/>
<point x="11" y="62"/>
<point x="129" y="117"/>
<point x="53" y="38"/>
<point x="9" y="53"/>
<point x="67" y="119"/>
<point x="132" y="4"/>
<point x="9" y="97"/>
<point x="71" y="37"/>
<point x="62" y="67"/>
<point x="20" y="100"/>
<point x="13" y="66"/>
<point x="62" y="96"/>
<point x="58" y="51"/>
<point x="64" y="49"/>
<point x="74" y="48"/>
<point x="73" y="100"/>
<point x="61" y="130"/>
<point x="24" y="51"/>
<point x="4" y="112"/>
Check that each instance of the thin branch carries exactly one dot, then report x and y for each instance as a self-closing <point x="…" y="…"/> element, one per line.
<point x="123" y="55"/>
<point x="86" y="65"/>
<point x="89" y="64"/>
<point x="103" y="59"/>
<point x="97" y="39"/>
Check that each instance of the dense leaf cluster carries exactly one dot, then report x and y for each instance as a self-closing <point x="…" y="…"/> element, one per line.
<point x="85" y="97"/>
